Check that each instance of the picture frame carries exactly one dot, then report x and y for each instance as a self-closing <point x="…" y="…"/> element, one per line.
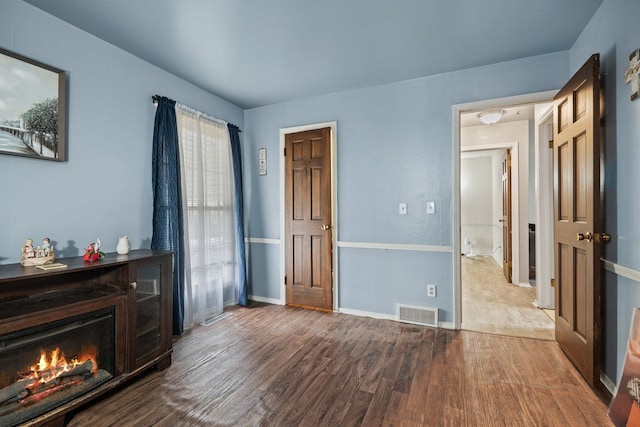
<point x="624" y="409"/>
<point x="33" y="108"/>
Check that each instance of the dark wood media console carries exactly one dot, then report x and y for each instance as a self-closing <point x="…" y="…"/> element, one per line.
<point x="135" y="288"/>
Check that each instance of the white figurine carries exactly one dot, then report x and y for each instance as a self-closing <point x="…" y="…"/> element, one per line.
<point x="46" y="246"/>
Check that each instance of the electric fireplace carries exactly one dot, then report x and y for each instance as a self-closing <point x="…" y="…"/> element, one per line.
<point x="71" y="335"/>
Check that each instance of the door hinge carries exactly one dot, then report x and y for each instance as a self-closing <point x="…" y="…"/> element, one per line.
<point x="551" y="143"/>
<point x="285" y="280"/>
<point x="553" y="283"/>
<point x="285" y="152"/>
<point x="509" y="264"/>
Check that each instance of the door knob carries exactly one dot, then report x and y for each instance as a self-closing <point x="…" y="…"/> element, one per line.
<point x="501" y="220"/>
<point x="325" y="227"/>
<point x="602" y="237"/>
<point x="587" y="236"/>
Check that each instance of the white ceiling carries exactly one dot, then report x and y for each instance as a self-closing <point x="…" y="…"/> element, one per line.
<point x="509" y="114"/>
<point x="259" y="52"/>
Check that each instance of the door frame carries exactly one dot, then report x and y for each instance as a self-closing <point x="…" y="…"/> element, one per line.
<point x="334" y="204"/>
<point x="545" y="294"/>
<point x="515" y="197"/>
<point x="457" y="109"/>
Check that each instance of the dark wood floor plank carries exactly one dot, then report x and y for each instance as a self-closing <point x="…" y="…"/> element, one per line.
<point x="379" y="403"/>
<point x="357" y="409"/>
<point x="279" y="366"/>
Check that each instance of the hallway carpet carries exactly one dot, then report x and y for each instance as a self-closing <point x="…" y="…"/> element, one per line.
<point x="492" y="305"/>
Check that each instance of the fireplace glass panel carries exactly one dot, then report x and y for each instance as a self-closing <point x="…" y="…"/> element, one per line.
<point x="147" y="309"/>
<point x="28" y="388"/>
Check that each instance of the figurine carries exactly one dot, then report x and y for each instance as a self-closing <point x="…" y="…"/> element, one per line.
<point x="38" y="256"/>
<point x="93" y="253"/>
<point x="46" y="246"/>
<point x="27" y="249"/>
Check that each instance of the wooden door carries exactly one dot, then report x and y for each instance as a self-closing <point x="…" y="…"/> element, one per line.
<point x="507" y="237"/>
<point x="577" y="222"/>
<point x="308" y="228"/>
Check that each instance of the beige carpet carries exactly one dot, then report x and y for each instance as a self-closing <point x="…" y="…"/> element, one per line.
<point x="490" y="304"/>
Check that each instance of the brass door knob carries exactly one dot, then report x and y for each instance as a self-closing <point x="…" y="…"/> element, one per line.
<point x="602" y="237"/>
<point x="325" y="227"/>
<point x="501" y="220"/>
<point x="587" y="236"/>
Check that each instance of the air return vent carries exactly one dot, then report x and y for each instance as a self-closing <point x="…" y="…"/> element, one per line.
<point x="426" y="316"/>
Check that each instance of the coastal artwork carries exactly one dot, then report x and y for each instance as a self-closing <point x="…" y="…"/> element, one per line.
<point x="32" y="108"/>
<point x="624" y="410"/>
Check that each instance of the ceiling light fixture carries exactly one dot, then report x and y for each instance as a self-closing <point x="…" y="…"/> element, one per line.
<point x="490" y="117"/>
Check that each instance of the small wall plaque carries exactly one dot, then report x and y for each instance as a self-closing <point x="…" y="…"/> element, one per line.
<point x="262" y="161"/>
<point x="633" y="73"/>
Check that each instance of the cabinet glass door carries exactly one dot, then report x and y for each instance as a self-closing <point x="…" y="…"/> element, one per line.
<point x="147" y="309"/>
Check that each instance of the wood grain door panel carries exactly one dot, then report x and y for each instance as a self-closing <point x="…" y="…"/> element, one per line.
<point x="309" y="280"/>
<point x="577" y="218"/>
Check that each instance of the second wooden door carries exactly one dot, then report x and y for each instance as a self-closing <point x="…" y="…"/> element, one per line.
<point x="577" y="229"/>
<point x="308" y="227"/>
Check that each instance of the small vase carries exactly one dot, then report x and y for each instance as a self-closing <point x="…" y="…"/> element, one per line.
<point x="123" y="245"/>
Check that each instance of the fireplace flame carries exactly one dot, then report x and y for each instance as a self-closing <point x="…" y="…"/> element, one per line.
<point x="49" y="368"/>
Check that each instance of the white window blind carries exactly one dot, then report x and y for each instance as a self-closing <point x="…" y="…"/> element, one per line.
<point x="207" y="187"/>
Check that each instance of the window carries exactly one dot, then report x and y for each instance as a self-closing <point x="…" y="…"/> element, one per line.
<point x="207" y="187"/>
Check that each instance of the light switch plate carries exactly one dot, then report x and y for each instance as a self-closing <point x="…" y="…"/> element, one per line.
<point x="402" y="209"/>
<point x="431" y="208"/>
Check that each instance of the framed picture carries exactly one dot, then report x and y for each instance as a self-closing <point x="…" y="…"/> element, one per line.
<point x="624" y="409"/>
<point x="32" y="108"/>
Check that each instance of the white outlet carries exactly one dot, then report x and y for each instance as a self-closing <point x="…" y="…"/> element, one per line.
<point x="431" y="291"/>
<point x="402" y="209"/>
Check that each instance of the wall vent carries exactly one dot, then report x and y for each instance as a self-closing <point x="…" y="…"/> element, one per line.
<point x="427" y="316"/>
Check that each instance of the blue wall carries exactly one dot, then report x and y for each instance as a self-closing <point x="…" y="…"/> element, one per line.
<point x="614" y="32"/>
<point x="104" y="190"/>
<point x="394" y="145"/>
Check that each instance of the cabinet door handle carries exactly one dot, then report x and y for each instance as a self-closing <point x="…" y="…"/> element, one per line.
<point x="133" y="285"/>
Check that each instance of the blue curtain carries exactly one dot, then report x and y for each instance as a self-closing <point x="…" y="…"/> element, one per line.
<point x="234" y="133"/>
<point x="167" y="200"/>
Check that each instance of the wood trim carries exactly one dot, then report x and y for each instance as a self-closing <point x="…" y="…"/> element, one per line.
<point x="261" y="240"/>
<point x="371" y="314"/>
<point x="608" y="385"/>
<point x="396" y="247"/>
<point x="621" y="270"/>
<point x="265" y="300"/>
<point x="384" y="316"/>
<point x="366" y="245"/>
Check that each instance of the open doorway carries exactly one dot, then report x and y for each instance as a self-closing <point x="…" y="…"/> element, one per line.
<point x="499" y="207"/>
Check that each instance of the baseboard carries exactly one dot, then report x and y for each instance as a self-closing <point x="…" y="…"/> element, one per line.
<point x="447" y="325"/>
<point x="383" y="316"/>
<point x="609" y="385"/>
<point x="371" y="314"/>
<point x="257" y="298"/>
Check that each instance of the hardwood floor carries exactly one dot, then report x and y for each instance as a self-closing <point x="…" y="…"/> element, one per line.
<point x="280" y="366"/>
<point x="490" y="304"/>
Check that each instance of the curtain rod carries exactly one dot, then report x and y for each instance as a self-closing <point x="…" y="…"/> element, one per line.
<point x="155" y="98"/>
